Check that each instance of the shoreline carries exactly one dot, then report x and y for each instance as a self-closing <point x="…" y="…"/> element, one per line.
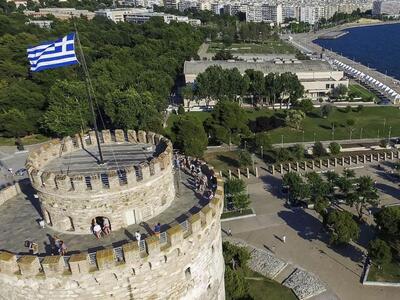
<point x="305" y="43"/>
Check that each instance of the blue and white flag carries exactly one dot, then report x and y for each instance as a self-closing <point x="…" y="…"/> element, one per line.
<point x="53" y="54"/>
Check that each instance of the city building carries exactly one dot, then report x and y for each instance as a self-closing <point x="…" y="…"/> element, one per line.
<point x="142" y="15"/>
<point x="61" y="13"/>
<point x="386" y="8"/>
<point x="318" y="77"/>
<point x="272" y="13"/>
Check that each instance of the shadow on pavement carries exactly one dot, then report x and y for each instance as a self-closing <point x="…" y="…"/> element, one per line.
<point x="310" y="228"/>
<point x="273" y="185"/>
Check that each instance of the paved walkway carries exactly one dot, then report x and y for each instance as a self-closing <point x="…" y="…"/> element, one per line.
<point x="18" y="220"/>
<point x="306" y="242"/>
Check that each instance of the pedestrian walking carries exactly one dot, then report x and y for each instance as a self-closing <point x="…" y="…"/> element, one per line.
<point x="284" y="239"/>
<point x="41" y="223"/>
<point x="229" y="232"/>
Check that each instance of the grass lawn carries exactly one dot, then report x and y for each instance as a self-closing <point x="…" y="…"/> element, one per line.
<point x="222" y="160"/>
<point x="267" y="47"/>
<point x="27" y="140"/>
<point x="360" y="91"/>
<point x="370" y="122"/>
<point x="390" y="273"/>
<point x="236" y="213"/>
<point x="261" y="288"/>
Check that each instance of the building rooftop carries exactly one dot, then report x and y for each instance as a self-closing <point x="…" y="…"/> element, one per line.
<point x="294" y="66"/>
<point x="85" y="161"/>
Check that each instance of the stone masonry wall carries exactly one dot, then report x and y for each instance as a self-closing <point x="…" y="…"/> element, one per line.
<point x="144" y="201"/>
<point x="188" y="265"/>
<point x="69" y="204"/>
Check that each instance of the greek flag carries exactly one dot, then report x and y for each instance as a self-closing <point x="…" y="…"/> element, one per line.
<point x="53" y="54"/>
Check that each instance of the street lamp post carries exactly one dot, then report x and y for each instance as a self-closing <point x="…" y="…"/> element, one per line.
<point x="314" y="137"/>
<point x="262" y="152"/>
<point x="245" y="145"/>
<point x="351" y="131"/>
<point x="282" y="140"/>
<point x="390" y="132"/>
<point x="361" y="132"/>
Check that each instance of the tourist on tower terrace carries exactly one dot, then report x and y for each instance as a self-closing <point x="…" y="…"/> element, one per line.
<point x="106" y="226"/>
<point x="157" y="229"/>
<point x="63" y="248"/>
<point x="96" y="229"/>
<point x="138" y="236"/>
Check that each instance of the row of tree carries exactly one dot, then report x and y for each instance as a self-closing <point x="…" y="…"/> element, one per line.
<point x="216" y="83"/>
<point x="326" y="193"/>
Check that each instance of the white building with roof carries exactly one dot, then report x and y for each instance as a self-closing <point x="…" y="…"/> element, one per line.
<point x="317" y="76"/>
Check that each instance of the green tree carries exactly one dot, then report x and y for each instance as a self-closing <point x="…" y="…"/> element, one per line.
<point x="187" y="93"/>
<point x="339" y="91"/>
<point x="319" y="189"/>
<point x="131" y="110"/>
<point x="234" y="186"/>
<point x="236" y="286"/>
<point x="326" y="110"/>
<point x="379" y="251"/>
<point x="223" y="55"/>
<point x="257" y="84"/>
<point x="298" y="189"/>
<point x="334" y="148"/>
<point x="283" y="154"/>
<point x="68" y="112"/>
<point x="319" y="149"/>
<point x="245" y="159"/>
<point x="342" y="227"/>
<point x="294" y="118"/>
<point x="14" y="123"/>
<point x="388" y="220"/>
<point x="305" y="106"/>
<point x="365" y="195"/>
<point x="189" y="136"/>
<point x="241" y="201"/>
<point x="292" y="89"/>
<point x="297" y="151"/>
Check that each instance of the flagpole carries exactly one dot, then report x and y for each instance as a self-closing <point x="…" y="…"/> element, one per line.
<point x="90" y="97"/>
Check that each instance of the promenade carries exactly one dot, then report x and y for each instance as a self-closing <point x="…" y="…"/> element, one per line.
<point x="304" y="42"/>
<point x="306" y="242"/>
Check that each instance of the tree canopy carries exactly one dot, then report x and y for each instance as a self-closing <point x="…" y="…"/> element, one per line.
<point x="132" y="67"/>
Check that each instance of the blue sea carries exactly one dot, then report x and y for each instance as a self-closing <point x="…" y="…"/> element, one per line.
<point x="375" y="46"/>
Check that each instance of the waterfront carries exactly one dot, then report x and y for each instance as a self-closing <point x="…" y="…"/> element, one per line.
<point x="368" y="45"/>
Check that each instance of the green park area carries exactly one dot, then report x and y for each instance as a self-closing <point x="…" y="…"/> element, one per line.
<point x="369" y="122"/>
<point x="266" y="47"/>
<point x="388" y="272"/>
<point x="358" y="91"/>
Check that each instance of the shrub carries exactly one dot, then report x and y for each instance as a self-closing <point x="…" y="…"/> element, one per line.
<point x="235" y="186"/>
<point x="283" y="154"/>
<point x="350" y="122"/>
<point x="335" y="148"/>
<point x="347" y="109"/>
<point x="318" y="149"/>
<point x="181" y="110"/>
<point x="383" y="143"/>
<point x="326" y="110"/>
<point x="379" y="251"/>
<point x="245" y="159"/>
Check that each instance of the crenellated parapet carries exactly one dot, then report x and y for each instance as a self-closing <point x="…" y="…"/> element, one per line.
<point x="123" y="178"/>
<point x="132" y="255"/>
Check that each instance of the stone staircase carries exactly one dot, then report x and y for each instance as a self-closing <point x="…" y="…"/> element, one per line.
<point x="285" y="273"/>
